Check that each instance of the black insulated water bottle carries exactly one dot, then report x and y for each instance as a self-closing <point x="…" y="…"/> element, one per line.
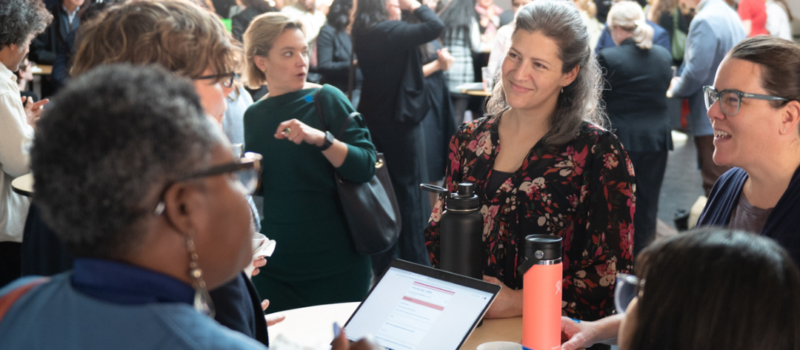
<point x="460" y="231"/>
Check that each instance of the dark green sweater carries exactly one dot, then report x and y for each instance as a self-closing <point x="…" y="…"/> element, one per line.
<point x="314" y="262"/>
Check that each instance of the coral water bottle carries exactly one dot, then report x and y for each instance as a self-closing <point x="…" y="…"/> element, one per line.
<point x="541" y="296"/>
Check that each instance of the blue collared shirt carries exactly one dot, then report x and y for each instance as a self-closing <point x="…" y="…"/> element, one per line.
<point x="121" y="283"/>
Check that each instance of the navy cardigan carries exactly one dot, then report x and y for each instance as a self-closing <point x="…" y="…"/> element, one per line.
<point x="783" y="224"/>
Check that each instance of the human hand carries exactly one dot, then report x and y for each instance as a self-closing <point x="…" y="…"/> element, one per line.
<point x="367" y="343"/>
<point x="508" y="302"/>
<point x="271" y="321"/>
<point x="431" y="3"/>
<point x="410" y="5"/>
<point x="445" y="59"/>
<point x="260" y="261"/>
<point x="33" y="110"/>
<point x="675" y="81"/>
<point x="297" y="132"/>
<point x="577" y="334"/>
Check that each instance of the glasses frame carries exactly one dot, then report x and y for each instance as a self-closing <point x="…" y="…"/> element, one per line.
<point x="225" y="79"/>
<point x="629" y="279"/>
<point x="717" y="94"/>
<point x="250" y="160"/>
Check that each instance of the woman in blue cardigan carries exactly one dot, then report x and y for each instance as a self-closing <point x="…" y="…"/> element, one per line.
<point x="754" y="107"/>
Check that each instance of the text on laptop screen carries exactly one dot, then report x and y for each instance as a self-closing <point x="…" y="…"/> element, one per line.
<point x="409" y="311"/>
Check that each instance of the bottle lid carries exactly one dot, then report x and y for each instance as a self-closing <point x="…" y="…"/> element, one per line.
<point x="543" y="247"/>
<point x="464" y="199"/>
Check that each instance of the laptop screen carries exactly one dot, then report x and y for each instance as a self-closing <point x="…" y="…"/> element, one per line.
<point x="409" y="310"/>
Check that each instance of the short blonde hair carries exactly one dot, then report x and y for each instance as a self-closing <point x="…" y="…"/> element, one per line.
<point x="259" y="39"/>
<point x="177" y="35"/>
<point x="629" y="16"/>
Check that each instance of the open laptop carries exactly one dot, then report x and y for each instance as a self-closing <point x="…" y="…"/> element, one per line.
<point x="414" y="307"/>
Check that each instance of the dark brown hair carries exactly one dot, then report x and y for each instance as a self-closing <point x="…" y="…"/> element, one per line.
<point x="560" y="21"/>
<point x="717" y="289"/>
<point x="780" y="65"/>
<point x="178" y="35"/>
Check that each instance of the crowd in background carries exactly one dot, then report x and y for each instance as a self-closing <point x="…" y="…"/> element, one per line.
<point x="310" y="93"/>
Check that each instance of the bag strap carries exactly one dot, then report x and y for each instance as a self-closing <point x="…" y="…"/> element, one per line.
<point x="8" y="300"/>
<point x="351" y="73"/>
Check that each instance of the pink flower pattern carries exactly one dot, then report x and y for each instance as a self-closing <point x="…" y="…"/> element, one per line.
<point x="578" y="191"/>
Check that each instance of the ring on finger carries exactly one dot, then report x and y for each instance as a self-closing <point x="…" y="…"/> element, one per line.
<point x="287" y="131"/>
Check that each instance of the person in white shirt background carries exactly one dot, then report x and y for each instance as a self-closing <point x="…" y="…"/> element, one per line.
<point x="779" y="19"/>
<point x="20" y="22"/>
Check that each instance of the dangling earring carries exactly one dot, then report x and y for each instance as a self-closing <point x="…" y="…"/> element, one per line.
<point x="202" y="300"/>
<point x="562" y="90"/>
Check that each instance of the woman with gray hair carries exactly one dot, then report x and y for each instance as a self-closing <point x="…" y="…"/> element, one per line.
<point x="558" y="171"/>
<point x="637" y="77"/>
<point x="147" y="195"/>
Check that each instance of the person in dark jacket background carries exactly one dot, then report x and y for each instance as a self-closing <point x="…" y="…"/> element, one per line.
<point x="65" y="20"/>
<point x="334" y="50"/>
<point x="388" y="54"/>
<point x="638" y="73"/>
<point x="252" y="8"/>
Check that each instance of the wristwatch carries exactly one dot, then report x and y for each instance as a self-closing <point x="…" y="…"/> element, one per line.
<point x="328" y="141"/>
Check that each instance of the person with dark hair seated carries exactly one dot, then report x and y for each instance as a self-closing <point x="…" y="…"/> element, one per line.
<point x="153" y="207"/>
<point x="147" y="32"/>
<point x="706" y="289"/>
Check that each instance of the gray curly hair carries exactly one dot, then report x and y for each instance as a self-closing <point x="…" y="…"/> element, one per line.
<point x="105" y="148"/>
<point x="580" y="101"/>
<point x="21" y="18"/>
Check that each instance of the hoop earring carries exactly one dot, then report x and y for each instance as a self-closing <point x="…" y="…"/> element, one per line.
<point x="202" y="300"/>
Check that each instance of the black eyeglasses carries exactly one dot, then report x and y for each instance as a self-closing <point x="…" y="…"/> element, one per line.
<point x="247" y="169"/>
<point x="225" y="79"/>
<point x="732" y="99"/>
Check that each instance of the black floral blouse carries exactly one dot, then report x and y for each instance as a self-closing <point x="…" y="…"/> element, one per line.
<point x="581" y="191"/>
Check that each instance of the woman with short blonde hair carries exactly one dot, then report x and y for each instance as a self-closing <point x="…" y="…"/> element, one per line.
<point x="628" y="16"/>
<point x="305" y="134"/>
<point x="259" y="39"/>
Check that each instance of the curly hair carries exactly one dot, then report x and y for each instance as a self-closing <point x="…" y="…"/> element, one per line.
<point x="560" y="21"/>
<point x="178" y="35"/>
<point x="20" y="19"/>
<point x="105" y="148"/>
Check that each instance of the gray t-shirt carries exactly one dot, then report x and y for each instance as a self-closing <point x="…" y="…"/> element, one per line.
<point x="748" y="218"/>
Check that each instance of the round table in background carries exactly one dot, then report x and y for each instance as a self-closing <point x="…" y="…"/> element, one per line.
<point x="23" y="185"/>
<point x="313" y="326"/>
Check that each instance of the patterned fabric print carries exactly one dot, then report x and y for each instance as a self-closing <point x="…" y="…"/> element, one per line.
<point x="581" y="191"/>
<point x="461" y="72"/>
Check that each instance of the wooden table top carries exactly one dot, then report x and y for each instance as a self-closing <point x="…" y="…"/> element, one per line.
<point x="313" y="326"/>
<point x="23" y="185"/>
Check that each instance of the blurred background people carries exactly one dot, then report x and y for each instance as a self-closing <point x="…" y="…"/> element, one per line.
<point x="660" y="36"/>
<point x="65" y="20"/>
<point x="558" y="172"/>
<point x="682" y="294"/>
<point x="637" y="75"/>
<point x="335" y="49"/>
<point x="754" y="17"/>
<point x="316" y="263"/>
<point x="393" y="103"/>
<point x="461" y="37"/>
<point x="779" y="19"/>
<point x="250" y="9"/>
<point x="674" y="16"/>
<point x="20" y="22"/>
<point x="313" y="19"/>
<point x="715" y="29"/>
<point x="488" y="19"/>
